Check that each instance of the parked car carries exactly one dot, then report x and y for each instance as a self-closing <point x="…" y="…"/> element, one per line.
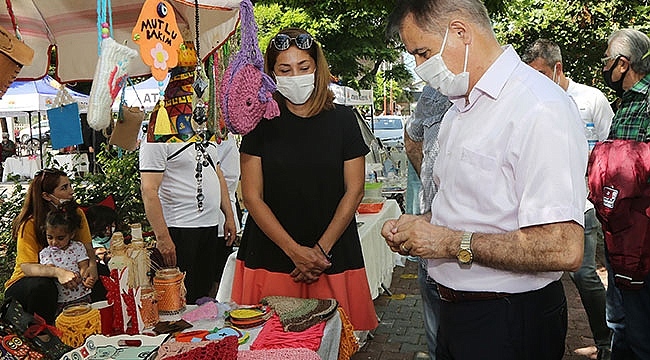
<point x="390" y="130"/>
<point x="25" y="135"/>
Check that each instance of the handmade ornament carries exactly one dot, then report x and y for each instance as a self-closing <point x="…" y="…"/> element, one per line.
<point x="178" y="107"/>
<point x="109" y="78"/>
<point x="159" y="38"/>
<point x="14" y="54"/>
<point x="77" y="322"/>
<point x="170" y="286"/>
<point x="246" y="91"/>
<point x="65" y="123"/>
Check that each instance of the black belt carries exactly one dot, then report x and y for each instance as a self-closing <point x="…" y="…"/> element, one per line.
<point x="455" y="296"/>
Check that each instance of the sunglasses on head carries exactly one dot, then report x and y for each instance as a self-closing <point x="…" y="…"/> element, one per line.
<point x="45" y="171"/>
<point x="283" y="41"/>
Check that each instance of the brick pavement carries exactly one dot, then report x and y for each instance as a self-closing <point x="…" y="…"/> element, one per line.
<point x="400" y="334"/>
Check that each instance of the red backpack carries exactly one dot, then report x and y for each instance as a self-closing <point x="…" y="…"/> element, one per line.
<point x="619" y="171"/>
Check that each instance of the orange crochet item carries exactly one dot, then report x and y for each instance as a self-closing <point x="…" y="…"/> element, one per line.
<point x="348" y="345"/>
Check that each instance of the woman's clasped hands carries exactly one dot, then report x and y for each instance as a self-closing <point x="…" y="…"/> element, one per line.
<point x="310" y="263"/>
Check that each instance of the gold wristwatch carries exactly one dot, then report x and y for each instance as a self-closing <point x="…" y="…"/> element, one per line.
<point x="465" y="256"/>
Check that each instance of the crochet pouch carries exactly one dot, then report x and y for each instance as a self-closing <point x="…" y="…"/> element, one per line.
<point x="127" y="127"/>
<point x="246" y="91"/>
<point x="28" y="334"/>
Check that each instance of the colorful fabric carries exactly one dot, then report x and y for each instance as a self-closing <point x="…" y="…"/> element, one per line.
<point x="273" y="336"/>
<point x="225" y="349"/>
<point x="298" y="314"/>
<point x="290" y="147"/>
<point x="278" y="354"/>
<point x="632" y="121"/>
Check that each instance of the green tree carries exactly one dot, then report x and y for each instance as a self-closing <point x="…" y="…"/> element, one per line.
<point x="580" y="28"/>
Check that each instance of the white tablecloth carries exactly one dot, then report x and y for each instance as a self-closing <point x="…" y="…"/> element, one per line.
<point x="70" y="163"/>
<point x="378" y="257"/>
<point x="24" y="166"/>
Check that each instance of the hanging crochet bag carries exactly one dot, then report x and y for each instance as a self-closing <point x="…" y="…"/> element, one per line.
<point x="65" y="123"/>
<point x="246" y="91"/>
<point x="127" y="126"/>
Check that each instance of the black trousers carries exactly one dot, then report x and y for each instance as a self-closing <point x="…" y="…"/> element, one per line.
<point x="37" y="295"/>
<point x="196" y="250"/>
<point x="526" y="326"/>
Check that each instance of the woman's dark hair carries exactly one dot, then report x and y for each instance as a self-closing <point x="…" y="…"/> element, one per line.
<point x="45" y="181"/>
<point x="99" y="217"/>
<point x="64" y="215"/>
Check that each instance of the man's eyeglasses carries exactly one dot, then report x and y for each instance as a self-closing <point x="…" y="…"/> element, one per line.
<point x="606" y="59"/>
<point x="283" y="41"/>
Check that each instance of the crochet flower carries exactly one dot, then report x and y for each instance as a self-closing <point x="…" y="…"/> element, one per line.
<point x="160" y="57"/>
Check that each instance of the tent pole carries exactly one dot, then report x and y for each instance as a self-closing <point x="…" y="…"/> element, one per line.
<point x="40" y="137"/>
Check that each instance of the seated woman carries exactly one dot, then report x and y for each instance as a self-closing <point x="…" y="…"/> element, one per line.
<point x="33" y="284"/>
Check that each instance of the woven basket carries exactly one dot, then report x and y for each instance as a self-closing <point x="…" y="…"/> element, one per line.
<point x="13" y="55"/>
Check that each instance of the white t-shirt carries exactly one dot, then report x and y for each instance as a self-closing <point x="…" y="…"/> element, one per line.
<point x="594" y="107"/>
<point x="228" y="155"/>
<point x="178" y="189"/>
<point x="514" y="156"/>
<point x="68" y="259"/>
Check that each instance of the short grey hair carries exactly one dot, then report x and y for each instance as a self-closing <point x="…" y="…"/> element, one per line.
<point x="634" y="45"/>
<point x="543" y="49"/>
<point x="434" y="15"/>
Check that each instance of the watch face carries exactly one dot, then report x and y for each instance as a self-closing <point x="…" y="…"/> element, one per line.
<point x="464" y="256"/>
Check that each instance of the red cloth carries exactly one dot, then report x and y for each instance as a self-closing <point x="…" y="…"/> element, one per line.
<point x="618" y="173"/>
<point x="273" y="336"/>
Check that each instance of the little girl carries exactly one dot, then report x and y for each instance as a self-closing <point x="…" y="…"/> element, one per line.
<point x="68" y="255"/>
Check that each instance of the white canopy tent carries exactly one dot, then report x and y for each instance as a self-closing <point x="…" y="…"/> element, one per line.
<point x="144" y="95"/>
<point x="35" y="96"/>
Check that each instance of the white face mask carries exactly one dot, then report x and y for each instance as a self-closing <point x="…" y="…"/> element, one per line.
<point x="435" y="73"/>
<point x="297" y="89"/>
<point x="555" y="77"/>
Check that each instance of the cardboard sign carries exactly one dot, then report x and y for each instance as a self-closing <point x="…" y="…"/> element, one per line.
<point x="158" y="36"/>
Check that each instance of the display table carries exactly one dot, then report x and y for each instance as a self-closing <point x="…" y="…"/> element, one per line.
<point x="23" y="166"/>
<point x="70" y="163"/>
<point x="377" y="256"/>
<point x="329" y="347"/>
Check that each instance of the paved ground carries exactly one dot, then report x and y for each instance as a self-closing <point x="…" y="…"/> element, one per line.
<point x="400" y="335"/>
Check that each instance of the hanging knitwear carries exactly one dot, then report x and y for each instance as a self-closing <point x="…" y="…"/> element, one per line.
<point x="348" y="345"/>
<point x="298" y="314"/>
<point x="171" y="291"/>
<point x="77" y="322"/>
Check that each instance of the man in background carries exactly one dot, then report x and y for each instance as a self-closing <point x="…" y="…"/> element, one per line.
<point x="545" y="56"/>
<point x="421" y="142"/>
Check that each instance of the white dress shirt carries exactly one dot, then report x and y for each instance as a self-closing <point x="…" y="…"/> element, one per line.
<point x="514" y="156"/>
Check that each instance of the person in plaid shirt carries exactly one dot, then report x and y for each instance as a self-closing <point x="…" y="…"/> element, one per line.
<point x="626" y="68"/>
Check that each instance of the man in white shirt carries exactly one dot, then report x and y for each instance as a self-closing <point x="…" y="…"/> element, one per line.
<point x="184" y="190"/>
<point x="508" y="215"/>
<point x="545" y="56"/>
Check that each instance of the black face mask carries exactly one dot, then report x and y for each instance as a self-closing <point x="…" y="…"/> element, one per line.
<point x="617" y="86"/>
